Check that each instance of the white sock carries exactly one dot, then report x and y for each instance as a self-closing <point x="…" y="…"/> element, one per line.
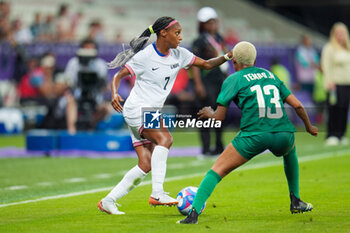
<point x="130" y="180"/>
<point x="158" y="163"/>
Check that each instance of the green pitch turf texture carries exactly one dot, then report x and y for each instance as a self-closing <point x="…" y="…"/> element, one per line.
<point x="251" y="199"/>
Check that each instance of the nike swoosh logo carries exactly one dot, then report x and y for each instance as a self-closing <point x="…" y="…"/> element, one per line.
<point x="153" y="69"/>
<point x="157" y="199"/>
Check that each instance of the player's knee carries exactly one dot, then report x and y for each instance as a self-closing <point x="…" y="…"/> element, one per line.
<point x="166" y="141"/>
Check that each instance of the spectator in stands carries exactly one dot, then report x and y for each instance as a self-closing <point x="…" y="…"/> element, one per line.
<point x="64" y="24"/>
<point x="48" y="29"/>
<point x="4" y="28"/>
<point x="307" y="63"/>
<point x="209" y="44"/>
<point x="5" y="9"/>
<point x="88" y="77"/>
<point x="61" y="105"/>
<point x="43" y="86"/>
<point x="96" y="32"/>
<point x="38" y="84"/>
<point x="22" y="35"/>
<point x="37" y="26"/>
<point x="231" y="37"/>
<point x="335" y="62"/>
<point x="4" y="20"/>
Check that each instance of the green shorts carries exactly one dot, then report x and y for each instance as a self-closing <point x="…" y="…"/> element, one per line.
<point x="279" y="143"/>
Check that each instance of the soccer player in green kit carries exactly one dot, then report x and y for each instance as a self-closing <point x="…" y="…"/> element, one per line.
<point x="264" y="125"/>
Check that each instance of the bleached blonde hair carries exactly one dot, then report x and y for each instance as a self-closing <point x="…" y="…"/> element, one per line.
<point x="245" y="53"/>
<point x="334" y="41"/>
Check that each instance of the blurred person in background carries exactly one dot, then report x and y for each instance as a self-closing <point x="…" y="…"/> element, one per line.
<point x="62" y="104"/>
<point x="21" y="35"/>
<point x="36" y="27"/>
<point x="4" y="28"/>
<point x="207" y="83"/>
<point x="96" y="32"/>
<point x="231" y="37"/>
<point x="87" y="75"/>
<point x="335" y="62"/>
<point x="280" y="71"/>
<point x="4" y="19"/>
<point x="307" y="63"/>
<point x="48" y="29"/>
<point x="5" y="9"/>
<point x="64" y="24"/>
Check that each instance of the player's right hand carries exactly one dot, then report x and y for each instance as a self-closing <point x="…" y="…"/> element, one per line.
<point x="313" y="130"/>
<point x="116" y="99"/>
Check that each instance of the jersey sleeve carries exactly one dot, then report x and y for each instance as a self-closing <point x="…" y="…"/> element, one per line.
<point x="135" y="65"/>
<point x="187" y="58"/>
<point x="229" y="90"/>
<point x="284" y="91"/>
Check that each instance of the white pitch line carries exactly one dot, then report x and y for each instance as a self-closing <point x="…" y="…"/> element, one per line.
<point x="17" y="187"/>
<point x="75" y="180"/>
<point x="45" y="183"/>
<point x="248" y="167"/>
<point x="103" y="176"/>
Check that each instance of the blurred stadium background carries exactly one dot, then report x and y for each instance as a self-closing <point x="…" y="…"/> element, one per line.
<point x="33" y="30"/>
<point x="36" y="44"/>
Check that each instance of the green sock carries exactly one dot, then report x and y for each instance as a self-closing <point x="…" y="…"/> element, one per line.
<point x="205" y="189"/>
<point x="291" y="169"/>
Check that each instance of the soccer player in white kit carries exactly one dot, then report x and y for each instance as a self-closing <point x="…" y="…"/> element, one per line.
<point x="155" y="68"/>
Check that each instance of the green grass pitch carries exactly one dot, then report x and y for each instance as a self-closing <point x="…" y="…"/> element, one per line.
<point x="251" y="199"/>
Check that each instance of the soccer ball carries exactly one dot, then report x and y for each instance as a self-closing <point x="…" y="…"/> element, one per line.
<point x="185" y="199"/>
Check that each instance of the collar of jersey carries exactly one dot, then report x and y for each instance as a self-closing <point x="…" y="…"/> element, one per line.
<point x="157" y="51"/>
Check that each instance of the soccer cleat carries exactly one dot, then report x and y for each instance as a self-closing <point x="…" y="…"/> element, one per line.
<point x="109" y="207"/>
<point x="162" y="199"/>
<point x="192" y="218"/>
<point x="298" y="206"/>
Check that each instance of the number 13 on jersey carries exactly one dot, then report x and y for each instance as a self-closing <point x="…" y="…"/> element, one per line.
<point x="275" y="99"/>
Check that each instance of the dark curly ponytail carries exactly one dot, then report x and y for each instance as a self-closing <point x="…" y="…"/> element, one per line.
<point x="137" y="44"/>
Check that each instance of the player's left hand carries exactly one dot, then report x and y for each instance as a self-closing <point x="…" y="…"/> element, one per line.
<point x="116" y="99"/>
<point x="206" y="112"/>
<point x="313" y="130"/>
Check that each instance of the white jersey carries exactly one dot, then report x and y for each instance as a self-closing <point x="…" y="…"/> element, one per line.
<point x="155" y="76"/>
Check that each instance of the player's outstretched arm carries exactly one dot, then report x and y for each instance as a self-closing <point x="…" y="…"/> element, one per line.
<point x="212" y="63"/>
<point x="116" y="98"/>
<point x="208" y="112"/>
<point x="300" y="110"/>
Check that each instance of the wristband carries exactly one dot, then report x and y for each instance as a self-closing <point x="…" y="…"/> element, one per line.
<point x="227" y="57"/>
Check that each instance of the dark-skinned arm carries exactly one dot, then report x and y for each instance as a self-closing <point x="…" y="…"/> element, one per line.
<point x="116" y="98"/>
<point x="301" y="112"/>
<point x="208" y="112"/>
<point x="211" y="63"/>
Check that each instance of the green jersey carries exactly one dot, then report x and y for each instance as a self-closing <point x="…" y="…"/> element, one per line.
<point x="260" y="96"/>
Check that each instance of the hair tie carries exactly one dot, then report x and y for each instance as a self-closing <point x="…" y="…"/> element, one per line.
<point x="151" y="29"/>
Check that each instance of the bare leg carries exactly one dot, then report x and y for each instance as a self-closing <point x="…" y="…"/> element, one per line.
<point x="71" y="113"/>
<point x="229" y="160"/>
